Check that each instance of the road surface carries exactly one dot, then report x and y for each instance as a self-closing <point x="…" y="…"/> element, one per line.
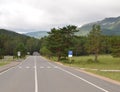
<point x="36" y="74"/>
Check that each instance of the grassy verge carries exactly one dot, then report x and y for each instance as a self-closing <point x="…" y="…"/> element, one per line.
<point x="4" y="63"/>
<point x="111" y="75"/>
<point x="6" y="60"/>
<point x="106" y="62"/>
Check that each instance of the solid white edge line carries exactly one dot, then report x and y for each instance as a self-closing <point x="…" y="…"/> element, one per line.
<point x="7" y="70"/>
<point x="11" y="68"/>
<point x="36" y="79"/>
<point x="83" y="80"/>
<point x="80" y="78"/>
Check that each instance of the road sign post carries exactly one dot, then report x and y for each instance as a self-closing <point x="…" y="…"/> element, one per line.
<point x="70" y="54"/>
<point x="19" y="53"/>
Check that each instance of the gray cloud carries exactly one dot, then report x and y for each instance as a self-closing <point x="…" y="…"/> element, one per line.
<point x="32" y="15"/>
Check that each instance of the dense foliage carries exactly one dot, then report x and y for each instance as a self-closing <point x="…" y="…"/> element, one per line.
<point x="11" y="43"/>
<point x="61" y="40"/>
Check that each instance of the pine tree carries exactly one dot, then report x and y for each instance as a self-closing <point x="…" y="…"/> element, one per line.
<point x="94" y="39"/>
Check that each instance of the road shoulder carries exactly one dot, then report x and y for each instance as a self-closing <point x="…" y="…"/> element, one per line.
<point x="10" y="65"/>
<point x="89" y="73"/>
<point x="86" y="72"/>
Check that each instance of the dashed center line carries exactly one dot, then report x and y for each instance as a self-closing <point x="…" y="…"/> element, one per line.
<point x="45" y="67"/>
<point x="27" y="67"/>
<point x="41" y="67"/>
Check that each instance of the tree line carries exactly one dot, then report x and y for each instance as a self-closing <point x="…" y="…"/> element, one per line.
<point x="61" y="40"/>
<point x="11" y="43"/>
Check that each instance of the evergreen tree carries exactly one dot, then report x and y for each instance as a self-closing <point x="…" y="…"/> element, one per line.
<point x="60" y="40"/>
<point x="94" y="41"/>
<point x="115" y="48"/>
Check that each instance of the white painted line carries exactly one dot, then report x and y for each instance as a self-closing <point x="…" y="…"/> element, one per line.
<point x="48" y="67"/>
<point x="55" y="66"/>
<point x="36" y="79"/>
<point x="41" y="67"/>
<point x="27" y="67"/>
<point x="23" y="61"/>
<point x="7" y="70"/>
<point x="19" y="67"/>
<point x="10" y="69"/>
<point x="80" y="78"/>
<point x="51" y="64"/>
<point x="83" y="80"/>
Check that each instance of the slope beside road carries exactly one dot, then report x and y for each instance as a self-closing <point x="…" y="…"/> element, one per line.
<point x="36" y="74"/>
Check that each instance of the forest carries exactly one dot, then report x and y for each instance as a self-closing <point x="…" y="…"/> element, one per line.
<point x="61" y="40"/>
<point x="11" y="43"/>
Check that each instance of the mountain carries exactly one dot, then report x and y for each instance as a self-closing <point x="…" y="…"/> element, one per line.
<point x="37" y="34"/>
<point x="12" y="42"/>
<point x="9" y="33"/>
<point x="109" y="26"/>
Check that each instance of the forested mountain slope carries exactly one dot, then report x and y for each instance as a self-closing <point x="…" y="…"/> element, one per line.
<point x="109" y="26"/>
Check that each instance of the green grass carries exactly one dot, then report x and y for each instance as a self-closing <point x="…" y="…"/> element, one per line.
<point x="6" y="60"/>
<point x="105" y="62"/>
<point x="4" y="63"/>
<point x="111" y="75"/>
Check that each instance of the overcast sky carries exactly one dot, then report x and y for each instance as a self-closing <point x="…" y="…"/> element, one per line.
<point x="35" y="15"/>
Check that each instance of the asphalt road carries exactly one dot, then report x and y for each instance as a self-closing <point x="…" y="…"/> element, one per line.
<point x="36" y="74"/>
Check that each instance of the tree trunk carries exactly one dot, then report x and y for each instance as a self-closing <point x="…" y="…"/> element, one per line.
<point x="59" y="58"/>
<point x="96" y="57"/>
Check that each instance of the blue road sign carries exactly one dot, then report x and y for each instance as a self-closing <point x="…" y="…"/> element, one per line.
<point x="70" y="53"/>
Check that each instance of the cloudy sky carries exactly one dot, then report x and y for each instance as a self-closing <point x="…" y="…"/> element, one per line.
<point x="34" y="15"/>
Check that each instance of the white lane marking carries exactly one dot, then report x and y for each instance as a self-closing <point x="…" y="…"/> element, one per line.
<point x="27" y="67"/>
<point x="23" y="61"/>
<point x="41" y="67"/>
<point x="10" y="69"/>
<point x="13" y="67"/>
<point x="36" y="79"/>
<point x="55" y="66"/>
<point x="81" y="78"/>
<point x="51" y="64"/>
<point x="19" y="67"/>
<point x="7" y="70"/>
<point x="48" y="67"/>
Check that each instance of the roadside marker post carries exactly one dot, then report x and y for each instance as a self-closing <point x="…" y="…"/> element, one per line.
<point x="19" y="54"/>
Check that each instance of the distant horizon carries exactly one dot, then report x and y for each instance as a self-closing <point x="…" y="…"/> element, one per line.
<point x="32" y="15"/>
<point x="37" y="30"/>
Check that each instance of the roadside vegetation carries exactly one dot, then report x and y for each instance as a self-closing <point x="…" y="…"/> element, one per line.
<point x="11" y="43"/>
<point x="111" y="75"/>
<point x="61" y="40"/>
<point x="93" y="53"/>
<point x="6" y="60"/>
<point x="106" y="62"/>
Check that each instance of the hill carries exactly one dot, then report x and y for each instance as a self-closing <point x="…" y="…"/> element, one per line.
<point x="37" y="34"/>
<point x="11" y="42"/>
<point x="10" y="33"/>
<point x="109" y="26"/>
